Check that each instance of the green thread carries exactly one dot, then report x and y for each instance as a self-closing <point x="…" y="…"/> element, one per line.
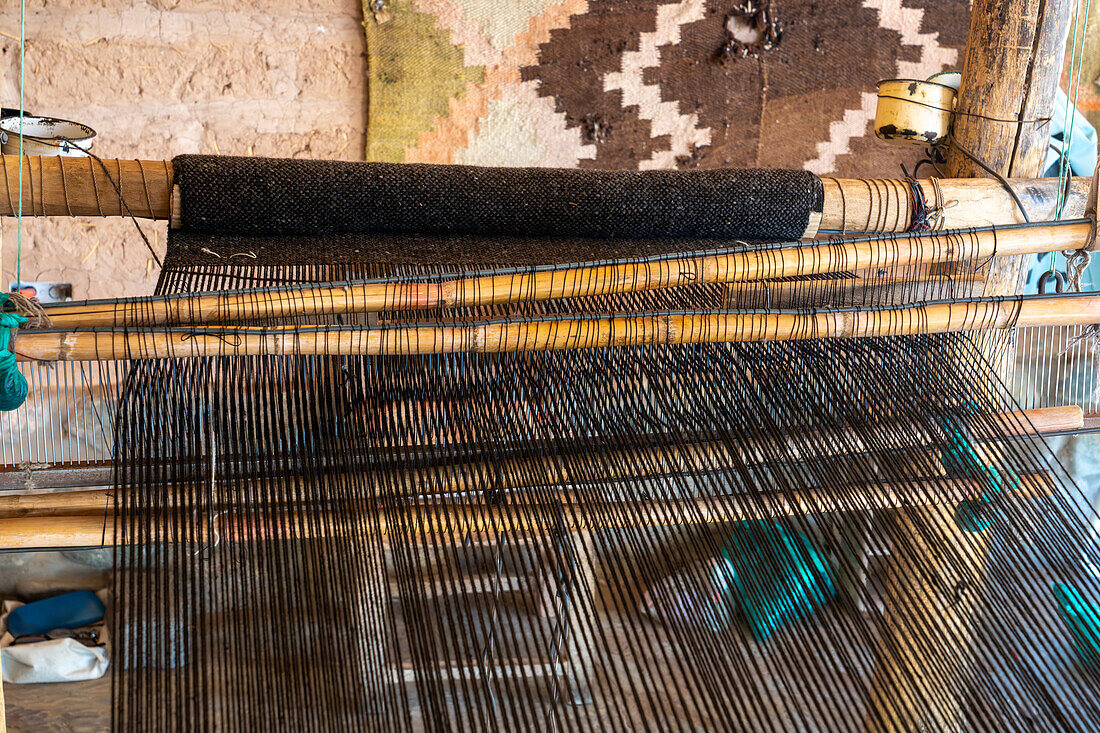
<point x="1077" y="62"/>
<point x="13" y="385"/>
<point x="19" y="213"/>
<point x="777" y="576"/>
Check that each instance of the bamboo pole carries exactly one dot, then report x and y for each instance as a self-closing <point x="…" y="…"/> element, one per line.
<point x="530" y="286"/>
<point x="469" y="479"/>
<point x="557" y="334"/>
<point x="794" y="294"/>
<point x="457" y="518"/>
<point x="864" y="205"/>
<point x="59" y="186"/>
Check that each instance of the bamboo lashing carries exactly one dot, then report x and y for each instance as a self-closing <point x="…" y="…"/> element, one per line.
<point x="59" y="186"/>
<point x="530" y="286"/>
<point x="460" y="517"/>
<point x="565" y="333"/>
<point x="83" y="186"/>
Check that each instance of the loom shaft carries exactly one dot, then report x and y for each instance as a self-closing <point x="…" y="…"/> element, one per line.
<point x="86" y="528"/>
<point x="521" y="287"/>
<point x="559" y="334"/>
<point x="58" y="186"/>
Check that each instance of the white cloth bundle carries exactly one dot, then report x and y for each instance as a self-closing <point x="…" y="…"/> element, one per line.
<point x="56" y="660"/>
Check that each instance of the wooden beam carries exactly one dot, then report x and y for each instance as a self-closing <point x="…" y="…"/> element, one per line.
<point x="871" y="253"/>
<point x="643" y="329"/>
<point x="69" y="186"/>
<point x="471" y="479"/>
<point x="459" y="517"/>
<point x="58" y="186"/>
<point x="853" y="205"/>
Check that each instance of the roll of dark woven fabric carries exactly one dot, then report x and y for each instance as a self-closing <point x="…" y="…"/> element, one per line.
<point x="269" y="197"/>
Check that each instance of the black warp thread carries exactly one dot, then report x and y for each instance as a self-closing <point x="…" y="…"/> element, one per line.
<point x="197" y="248"/>
<point x="507" y="211"/>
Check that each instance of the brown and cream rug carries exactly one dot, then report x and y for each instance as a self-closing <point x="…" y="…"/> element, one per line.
<point x="648" y="83"/>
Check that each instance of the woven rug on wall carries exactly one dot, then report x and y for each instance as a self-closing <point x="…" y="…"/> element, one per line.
<point x="648" y="83"/>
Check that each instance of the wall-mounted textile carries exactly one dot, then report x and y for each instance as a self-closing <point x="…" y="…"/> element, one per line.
<point x="648" y="84"/>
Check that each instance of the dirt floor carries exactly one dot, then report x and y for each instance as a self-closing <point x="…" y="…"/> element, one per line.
<point x="790" y="701"/>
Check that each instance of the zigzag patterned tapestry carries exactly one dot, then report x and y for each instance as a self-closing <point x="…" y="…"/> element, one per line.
<point x="648" y="83"/>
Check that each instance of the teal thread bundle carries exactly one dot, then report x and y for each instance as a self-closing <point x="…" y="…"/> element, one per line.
<point x="960" y="457"/>
<point x="778" y="576"/>
<point x="13" y="385"/>
<point x="1083" y="620"/>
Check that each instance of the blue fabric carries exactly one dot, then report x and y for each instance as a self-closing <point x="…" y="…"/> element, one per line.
<point x="13" y="385"/>
<point x="778" y="576"/>
<point x="66" y="611"/>
<point x="1081" y="149"/>
<point x="1081" y="152"/>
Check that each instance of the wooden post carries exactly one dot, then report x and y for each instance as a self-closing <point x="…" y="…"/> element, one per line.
<point x="1014" y="56"/>
<point x="1013" y="65"/>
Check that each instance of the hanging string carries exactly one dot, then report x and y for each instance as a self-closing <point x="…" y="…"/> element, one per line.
<point x="1038" y="121"/>
<point x="1077" y="261"/>
<point x="19" y="212"/>
<point x="30" y="309"/>
<point x="1077" y="62"/>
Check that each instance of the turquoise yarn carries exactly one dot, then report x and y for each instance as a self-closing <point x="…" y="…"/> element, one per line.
<point x="975" y="515"/>
<point x="13" y="385"/>
<point x="1083" y="620"/>
<point x="777" y="575"/>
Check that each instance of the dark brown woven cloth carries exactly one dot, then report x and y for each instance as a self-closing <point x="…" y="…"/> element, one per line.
<point x="490" y="214"/>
